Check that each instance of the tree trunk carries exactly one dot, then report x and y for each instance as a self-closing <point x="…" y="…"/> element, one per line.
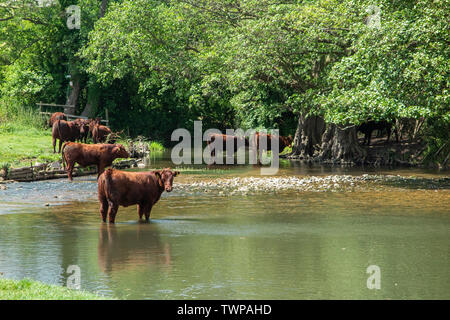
<point x="103" y="7"/>
<point x="308" y="137"/>
<point x="93" y="97"/>
<point x="93" y="100"/>
<point x="72" y="99"/>
<point x="341" y="146"/>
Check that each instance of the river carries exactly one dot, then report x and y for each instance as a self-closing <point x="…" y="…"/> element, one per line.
<point x="226" y="232"/>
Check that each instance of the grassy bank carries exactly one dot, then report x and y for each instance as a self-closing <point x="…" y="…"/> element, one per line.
<point x="32" y="290"/>
<point x="19" y="146"/>
<point x="22" y="145"/>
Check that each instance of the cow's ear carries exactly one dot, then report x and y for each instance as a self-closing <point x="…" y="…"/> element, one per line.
<point x="159" y="177"/>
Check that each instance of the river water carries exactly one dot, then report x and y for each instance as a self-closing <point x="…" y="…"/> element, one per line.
<point x="226" y="232"/>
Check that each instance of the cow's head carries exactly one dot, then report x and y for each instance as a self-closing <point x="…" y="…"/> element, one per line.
<point x="84" y="126"/>
<point x="165" y="178"/>
<point x="91" y="125"/>
<point x="119" y="151"/>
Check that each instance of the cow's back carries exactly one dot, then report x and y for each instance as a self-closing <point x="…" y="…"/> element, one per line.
<point x="55" y="117"/>
<point x="60" y="129"/>
<point x="128" y="188"/>
<point x="89" y="154"/>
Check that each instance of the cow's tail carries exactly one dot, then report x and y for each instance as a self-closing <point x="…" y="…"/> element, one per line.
<point x="58" y="126"/>
<point x="63" y="156"/>
<point x="108" y="182"/>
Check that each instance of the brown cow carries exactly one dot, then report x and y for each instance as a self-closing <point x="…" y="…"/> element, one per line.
<point x="84" y="129"/>
<point x="283" y="142"/>
<point x="119" y="188"/>
<point x="227" y="139"/>
<point x="64" y="131"/>
<point x="92" y="124"/>
<point x="101" y="155"/>
<point x="56" y="116"/>
<point x="100" y="133"/>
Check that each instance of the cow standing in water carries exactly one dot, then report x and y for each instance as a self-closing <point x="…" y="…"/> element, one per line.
<point x="283" y="142"/>
<point x="231" y="140"/>
<point x="101" y="155"/>
<point x="120" y="188"/>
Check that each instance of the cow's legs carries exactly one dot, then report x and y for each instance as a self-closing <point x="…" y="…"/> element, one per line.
<point x="212" y="153"/>
<point x="103" y="208"/>
<point x="54" y="145"/>
<point x="60" y="144"/>
<point x="147" y="211"/>
<point x="112" y="211"/>
<point x="69" y="169"/>
<point x="140" y="211"/>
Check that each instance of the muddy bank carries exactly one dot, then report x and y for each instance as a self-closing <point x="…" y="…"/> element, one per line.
<point x="54" y="170"/>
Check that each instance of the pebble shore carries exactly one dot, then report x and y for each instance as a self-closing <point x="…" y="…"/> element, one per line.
<point x="331" y="183"/>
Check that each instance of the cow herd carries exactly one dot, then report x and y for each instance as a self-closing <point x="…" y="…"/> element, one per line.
<point x="78" y="130"/>
<point x="119" y="188"/>
<point x="236" y="141"/>
<point x="115" y="187"/>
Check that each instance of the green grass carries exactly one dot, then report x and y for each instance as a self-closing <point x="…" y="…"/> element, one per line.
<point x="19" y="145"/>
<point x="24" y="138"/>
<point x="32" y="290"/>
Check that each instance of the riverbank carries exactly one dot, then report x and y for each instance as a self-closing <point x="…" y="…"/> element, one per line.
<point x="381" y="153"/>
<point x="26" y="289"/>
<point x="22" y="146"/>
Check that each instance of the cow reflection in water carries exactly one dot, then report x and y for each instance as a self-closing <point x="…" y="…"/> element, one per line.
<point x="131" y="247"/>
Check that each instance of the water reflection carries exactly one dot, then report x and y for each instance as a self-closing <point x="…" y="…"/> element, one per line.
<point x="125" y="248"/>
<point x="210" y="245"/>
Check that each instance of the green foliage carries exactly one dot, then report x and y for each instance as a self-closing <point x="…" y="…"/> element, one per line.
<point x="156" y="147"/>
<point x="398" y="69"/>
<point x="15" y="117"/>
<point x="160" y="65"/>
